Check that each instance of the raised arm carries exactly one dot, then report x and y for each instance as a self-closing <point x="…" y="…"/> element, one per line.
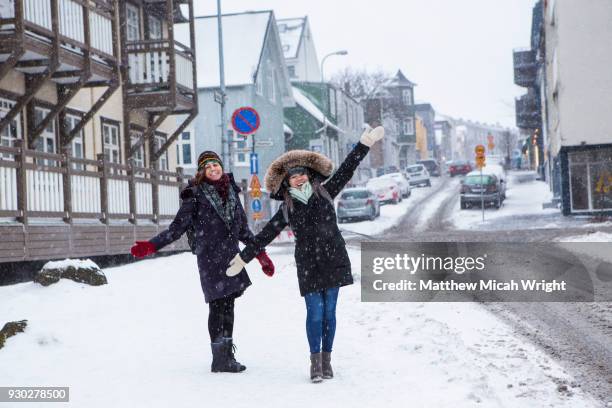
<point x="346" y="170"/>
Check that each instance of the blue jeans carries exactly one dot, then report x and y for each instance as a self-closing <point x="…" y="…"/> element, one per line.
<point x="321" y="319"/>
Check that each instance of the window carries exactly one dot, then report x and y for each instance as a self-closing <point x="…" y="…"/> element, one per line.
<point x="241" y="148"/>
<point x="77" y="147"/>
<point x="46" y="141"/>
<point x="271" y="84"/>
<point x="291" y="70"/>
<point x="13" y="131"/>
<point x="133" y="22"/>
<point x="407" y="126"/>
<point x="155" y="28"/>
<point x="162" y="162"/>
<point x="407" y="96"/>
<point x="138" y="157"/>
<point x="259" y="85"/>
<point x="184" y="150"/>
<point x="332" y="102"/>
<point x="110" y="138"/>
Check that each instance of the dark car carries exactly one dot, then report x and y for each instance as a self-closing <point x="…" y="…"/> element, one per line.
<point x="459" y="167"/>
<point x="432" y="166"/>
<point x="477" y="188"/>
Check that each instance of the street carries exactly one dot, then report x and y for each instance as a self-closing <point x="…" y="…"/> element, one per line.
<point x="578" y="335"/>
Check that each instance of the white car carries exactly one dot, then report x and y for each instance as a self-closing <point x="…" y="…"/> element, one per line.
<point x="418" y="175"/>
<point x="386" y="189"/>
<point x="402" y="181"/>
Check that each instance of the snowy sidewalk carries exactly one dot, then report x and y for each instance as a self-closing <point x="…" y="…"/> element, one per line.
<point x="523" y="206"/>
<point x="141" y="341"/>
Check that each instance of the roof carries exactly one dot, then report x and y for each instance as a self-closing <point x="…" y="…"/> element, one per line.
<point x="400" y="80"/>
<point x="241" y="53"/>
<point x="302" y="100"/>
<point x="290" y="31"/>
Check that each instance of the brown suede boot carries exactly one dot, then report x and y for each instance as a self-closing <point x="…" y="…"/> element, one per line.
<point x="316" y="368"/>
<point x="326" y="365"/>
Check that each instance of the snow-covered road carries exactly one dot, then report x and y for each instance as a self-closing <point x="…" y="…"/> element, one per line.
<point x="141" y="341"/>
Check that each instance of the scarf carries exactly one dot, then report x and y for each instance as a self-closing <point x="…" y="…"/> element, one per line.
<point x="213" y="192"/>
<point x="222" y="186"/>
<point x="302" y="194"/>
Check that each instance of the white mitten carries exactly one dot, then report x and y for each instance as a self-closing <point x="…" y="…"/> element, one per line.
<point x="235" y="266"/>
<point x="371" y="136"/>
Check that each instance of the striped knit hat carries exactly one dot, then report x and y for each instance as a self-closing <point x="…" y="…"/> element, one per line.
<point x="207" y="156"/>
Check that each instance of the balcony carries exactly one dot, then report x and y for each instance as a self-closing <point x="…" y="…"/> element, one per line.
<point x="160" y="75"/>
<point x="528" y="111"/>
<point x="79" y="34"/>
<point x="525" y="68"/>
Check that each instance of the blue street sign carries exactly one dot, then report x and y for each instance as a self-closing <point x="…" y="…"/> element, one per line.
<point x="245" y="120"/>
<point x="256" y="205"/>
<point x="254" y="163"/>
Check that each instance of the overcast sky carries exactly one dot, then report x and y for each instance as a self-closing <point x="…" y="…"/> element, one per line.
<point x="459" y="52"/>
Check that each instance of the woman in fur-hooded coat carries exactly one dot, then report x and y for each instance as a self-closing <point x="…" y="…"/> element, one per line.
<point x="323" y="265"/>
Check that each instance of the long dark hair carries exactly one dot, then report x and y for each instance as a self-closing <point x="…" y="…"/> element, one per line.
<point x="199" y="177"/>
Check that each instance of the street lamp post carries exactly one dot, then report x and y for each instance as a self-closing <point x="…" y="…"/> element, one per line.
<point x="340" y="52"/>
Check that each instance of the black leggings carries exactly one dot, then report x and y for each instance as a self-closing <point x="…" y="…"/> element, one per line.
<point x="221" y="318"/>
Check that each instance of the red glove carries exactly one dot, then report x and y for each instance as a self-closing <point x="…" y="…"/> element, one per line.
<point x="142" y="249"/>
<point x="266" y="263"/>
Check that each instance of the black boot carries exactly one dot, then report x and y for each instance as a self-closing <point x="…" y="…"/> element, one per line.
<point x="219" y="359"/>
<point x="231" y="365"/>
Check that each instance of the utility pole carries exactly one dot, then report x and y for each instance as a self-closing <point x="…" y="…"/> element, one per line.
<point x="226" y="154"/>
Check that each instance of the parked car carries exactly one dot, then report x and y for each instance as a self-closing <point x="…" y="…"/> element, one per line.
<point x="403" y="183"/>
<point x="432" y="167"/>
<point x="386" y="189"/>
<point x="476" y="187"/>
<point x="418" y="175"/>
<point x="459" y="167"/>
<point x="356" y="203"/>
<point x="498" y="171"/>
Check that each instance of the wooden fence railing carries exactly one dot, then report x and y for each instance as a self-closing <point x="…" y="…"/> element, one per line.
<point x="46" y="185"/>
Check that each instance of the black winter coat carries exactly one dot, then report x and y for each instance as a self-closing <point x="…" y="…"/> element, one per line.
<point x="320" y="251"/>
<point x="216" y="244"/>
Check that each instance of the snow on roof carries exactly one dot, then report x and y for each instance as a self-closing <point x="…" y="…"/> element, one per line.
<point x="302" y="100"/>
<point x="243" y="41"/>
<point x="290" y="31"/>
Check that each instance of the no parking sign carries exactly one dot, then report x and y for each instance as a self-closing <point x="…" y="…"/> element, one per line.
<point x="245" y="120"/>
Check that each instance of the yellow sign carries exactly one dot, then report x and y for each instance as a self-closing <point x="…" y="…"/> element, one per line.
<point x="255" y="185"/>
<point x="604" y="183"/>
<point x="255" y="193"/>
<point x="480" y="156"/>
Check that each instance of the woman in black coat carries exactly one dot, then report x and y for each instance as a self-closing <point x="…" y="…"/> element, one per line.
<point x="211" y="206"/>
<point x="323" y="264"/>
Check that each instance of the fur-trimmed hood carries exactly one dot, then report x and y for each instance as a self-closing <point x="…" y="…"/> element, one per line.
<point x="316" y="162"/>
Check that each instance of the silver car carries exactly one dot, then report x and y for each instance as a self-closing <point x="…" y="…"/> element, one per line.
<point x="356" y="203"/>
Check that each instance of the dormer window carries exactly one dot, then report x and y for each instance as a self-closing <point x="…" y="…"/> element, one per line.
<point x="407" y="96"/>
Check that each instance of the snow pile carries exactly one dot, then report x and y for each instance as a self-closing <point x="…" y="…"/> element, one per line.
<point x="75" y="263"/>
<point x="145" y="339"/>
<point x="598" y="236"/>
